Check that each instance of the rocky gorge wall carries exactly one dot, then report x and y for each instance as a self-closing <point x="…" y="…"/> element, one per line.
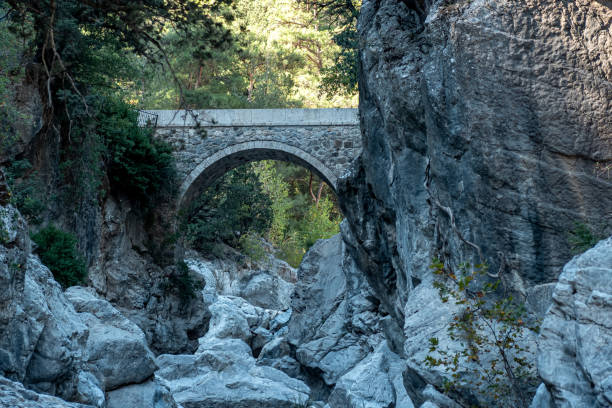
<point x="483" y="123"/>
<point x="486" y="126"/>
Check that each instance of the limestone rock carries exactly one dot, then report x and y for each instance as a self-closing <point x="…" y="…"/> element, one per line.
<point x="89" y="391"/>
<point x="542" y="398"/>
<point x="59" y="348"/>
<point x="14" y="395"/>
<point x="125" y="274"/>
<point x="16" y="349"/>
<point x="150" y="394"/>
<point x="575" y="357"/>
<point x="116" y="348"/>
<point x="223" y="374"/>
<point x="267" y="283"/>
<point x="334" y="321"/>
<point x="376" y="382"/>
<point x="227" y="320"/>
<point x="457" y="94"/>
<point x="277" y="354"/>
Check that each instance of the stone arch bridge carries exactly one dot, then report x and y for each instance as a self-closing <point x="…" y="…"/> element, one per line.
<point x="208" y="143"/>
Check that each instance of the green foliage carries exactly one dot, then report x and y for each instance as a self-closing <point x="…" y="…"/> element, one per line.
<point x="27" y="190"/>
<point x="271" y="200"/>
<point x="279" y="54"/>
<point x="492" y="330"/>
<point x="57" y="250"/>
<point x="582" y="238"/>
<point x="11" y="73"/>
<point x="138" y="164"/>
<point x="181" y="283"/>
<point x="250" y="245"/>
<point x="234" y="206"/>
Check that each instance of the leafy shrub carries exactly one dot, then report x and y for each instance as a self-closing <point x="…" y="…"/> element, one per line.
<point x="138" y="164"/>
<point x="581" y="238"/>
<point x="27" y="190"/>
<point x="251" y="246"/>
<point x="233" y="207"/>
<point x="57" y="250"/>
<point x="491" y="330"/>
<point x="181" y="282"/>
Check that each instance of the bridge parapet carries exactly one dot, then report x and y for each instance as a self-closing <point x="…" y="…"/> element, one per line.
<point x="256" y="117"/>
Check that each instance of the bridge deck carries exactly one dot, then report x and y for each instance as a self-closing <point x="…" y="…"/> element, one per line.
<point x="256" y="117"/>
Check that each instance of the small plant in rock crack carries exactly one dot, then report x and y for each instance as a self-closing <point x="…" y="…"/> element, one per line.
<point x="492" y="331"/>
<point x="182" y="283"/>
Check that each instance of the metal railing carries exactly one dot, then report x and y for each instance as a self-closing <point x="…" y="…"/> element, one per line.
<point x="147" y="119"/>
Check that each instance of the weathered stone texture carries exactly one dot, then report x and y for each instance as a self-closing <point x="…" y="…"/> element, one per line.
<point x="575" y="353"/>
<point x="503" y="108"/>
<point x="205" y="151"/>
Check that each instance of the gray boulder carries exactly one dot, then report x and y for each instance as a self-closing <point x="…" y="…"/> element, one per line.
<point x="224" y="374"/>
<point x="89" y="390"/>
<point x="116" y="348"/>
<point x="59" y="349"/>
<point x="14" y="395"/>
<point x="46" y="337"/>
<point x="376" y="382"/>
<point x="267" y="283"/>
<point x="334" y="323"/>
<point x="150" y="394"/>
<point x="575" y="356"/>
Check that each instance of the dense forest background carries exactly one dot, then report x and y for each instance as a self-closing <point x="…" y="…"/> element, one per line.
<point x="94" y="63"/>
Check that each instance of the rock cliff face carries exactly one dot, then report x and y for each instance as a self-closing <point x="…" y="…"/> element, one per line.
<point x="483" y="122"/>
<point x="575" y="356"/>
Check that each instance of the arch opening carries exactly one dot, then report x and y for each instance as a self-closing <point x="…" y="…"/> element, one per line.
<point x="248" y="200"/>
<point x="224" y="160"/>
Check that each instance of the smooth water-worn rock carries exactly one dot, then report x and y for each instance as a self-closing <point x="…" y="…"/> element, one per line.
<point x="44" y="335"/>
<point x="223" y="373"/>
<point x="266" y="283"/>
<point x="89" y="390"/>
<point x="59" y="350"/>
<point x="150" y="394"/>
<point x="126" y="274"/>
<point x="14" y="395"/>
<point x="376" y="382"/>
<point x="575" y="356"/>
<point x="334" y="323"/>
<point x="116" y="348"/>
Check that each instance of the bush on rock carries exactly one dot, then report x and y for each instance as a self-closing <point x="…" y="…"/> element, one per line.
<point x="57" y="250"/>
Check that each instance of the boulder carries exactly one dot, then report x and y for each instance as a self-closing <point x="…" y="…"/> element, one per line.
<point x="116" y="349"/>
<point x="278" y="354"/>
<point x="223" y="374"/>
<point x="150" y="394"/>
<point x="59" y="348"/>
<point x="89" y="390"/>
<point x="14" y="395"/>
<point x="574" y="353"/>
<point x="376" y="382"/>
<point x="267" y="283"/>
<point x="334" y="324"/>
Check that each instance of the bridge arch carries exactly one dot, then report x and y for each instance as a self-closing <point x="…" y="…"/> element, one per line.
<point x="217" y="164"/>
